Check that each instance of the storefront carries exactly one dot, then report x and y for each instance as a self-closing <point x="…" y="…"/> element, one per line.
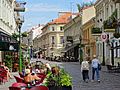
<point x="8" y="47"/>
<point x="72" y="51"/>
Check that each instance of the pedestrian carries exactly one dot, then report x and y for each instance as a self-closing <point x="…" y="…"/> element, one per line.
<point x="85" y="70"/>
<point x="95" y="68"/>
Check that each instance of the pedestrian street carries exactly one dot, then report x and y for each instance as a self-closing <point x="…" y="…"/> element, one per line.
<point x="109" y="81"/>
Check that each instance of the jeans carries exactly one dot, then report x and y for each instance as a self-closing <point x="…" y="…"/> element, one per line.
<point x="97" y="73"/>
<point x="85" y="74"/>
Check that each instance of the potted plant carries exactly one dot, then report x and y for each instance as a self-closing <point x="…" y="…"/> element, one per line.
<point x="65" y="80"/>
<point x="8" y="61"/>
<point x="58" y="79"/>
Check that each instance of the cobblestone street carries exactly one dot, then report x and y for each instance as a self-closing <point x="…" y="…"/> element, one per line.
<point x="109" y="81"/>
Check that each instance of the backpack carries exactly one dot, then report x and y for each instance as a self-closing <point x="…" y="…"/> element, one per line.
<point x="99" y="66"/>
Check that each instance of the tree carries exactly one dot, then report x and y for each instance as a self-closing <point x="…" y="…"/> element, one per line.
<point x="79" y="7"/>
<point x="83" y="5"/>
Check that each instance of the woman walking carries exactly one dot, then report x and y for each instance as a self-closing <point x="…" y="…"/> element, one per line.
<point x="85" y="70"/>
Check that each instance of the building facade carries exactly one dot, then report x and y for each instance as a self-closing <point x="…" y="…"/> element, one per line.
<point x="89" y="40"/>
<point x="71" y="37"/>
<point x="7" y="20"/>
<point x="10" y="24"/>
<point x="52" y="35"/>
<point x="31" y="39"/>
<point x="7" y="26"/>
<point x="77" y="32"/>
<point x="107" y="19"/>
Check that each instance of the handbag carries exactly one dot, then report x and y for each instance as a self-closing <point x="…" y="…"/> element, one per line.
<point x="99" y="66"/>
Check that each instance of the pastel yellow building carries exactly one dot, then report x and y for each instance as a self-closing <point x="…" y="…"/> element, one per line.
<point x="77" y="34"/>
<point x="51" y="39"/>
<point x="89" y="41"/>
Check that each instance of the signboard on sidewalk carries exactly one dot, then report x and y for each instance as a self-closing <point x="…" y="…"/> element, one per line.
<point x="104" y="37"/>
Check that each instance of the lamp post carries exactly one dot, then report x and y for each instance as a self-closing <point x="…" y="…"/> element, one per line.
<point x="31" y="52"/>
<point x="80" y="51"/>
<point x="103" y="62"/>
<point x="28" y="53"/>
<point x="20" y="60"/>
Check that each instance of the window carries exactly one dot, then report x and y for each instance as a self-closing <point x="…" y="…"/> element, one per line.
<point x="61" y="40"/>
<point x="61" y="28"/>
<point x="107" y="12"/>
<point x="111" y="9"/>
<point x="52" y="39"/>
<point x="53" y="29"/>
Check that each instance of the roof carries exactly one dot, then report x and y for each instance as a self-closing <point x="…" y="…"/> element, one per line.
<point x="62" y="19"/>
<point x="87" y="7"/>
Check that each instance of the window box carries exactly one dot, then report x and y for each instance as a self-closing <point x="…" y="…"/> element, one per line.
<point x="96" y="30"/>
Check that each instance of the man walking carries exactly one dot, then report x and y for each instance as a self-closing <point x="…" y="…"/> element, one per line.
<point x="95" y="69"/>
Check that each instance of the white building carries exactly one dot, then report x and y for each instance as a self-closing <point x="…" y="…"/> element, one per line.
<point x="10" y="20"/>
<point x="32" y="34"/>
<point x="7" y="17"/>
<point x="107" y="12"/>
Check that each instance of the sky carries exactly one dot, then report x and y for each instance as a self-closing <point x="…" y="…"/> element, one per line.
<point x="43" y="11"/>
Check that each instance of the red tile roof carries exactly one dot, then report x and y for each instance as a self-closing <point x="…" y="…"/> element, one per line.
<point x="63" y="19"/>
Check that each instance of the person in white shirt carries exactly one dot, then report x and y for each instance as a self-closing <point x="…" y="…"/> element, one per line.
<point x="95" y="63"/>
<point x="85" y="70"/>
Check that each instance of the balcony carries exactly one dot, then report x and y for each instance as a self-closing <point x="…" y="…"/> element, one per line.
<point x="96" y="31"/>
<point x="19" y="7"/>
<point x="116" y="1"/>
<point x="111" y="23"/>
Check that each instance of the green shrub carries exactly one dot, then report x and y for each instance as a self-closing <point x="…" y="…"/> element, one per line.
<point x="61" y="79"/>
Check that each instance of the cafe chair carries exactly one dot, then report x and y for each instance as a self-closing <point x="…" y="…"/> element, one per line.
<point x="39" y="88"/>
<point x="21" y="75"/>
<point x="19" y="80"/>
<point x="14" y="88"/>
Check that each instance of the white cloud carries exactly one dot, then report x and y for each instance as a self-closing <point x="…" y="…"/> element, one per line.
<point x="44" y="7"/>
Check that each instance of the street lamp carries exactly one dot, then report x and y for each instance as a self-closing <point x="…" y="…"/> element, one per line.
<point x="80" y="50"/>
<point x="31" y="52"/>
<point x="20" y="60"/>
<point x="20" y="8"/>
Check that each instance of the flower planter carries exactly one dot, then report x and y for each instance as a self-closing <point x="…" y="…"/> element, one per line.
<point x="60" y="88"/>
<point x="66" y="88"/>
<point x="54" y="88"/>
<point x="58" y="79"/>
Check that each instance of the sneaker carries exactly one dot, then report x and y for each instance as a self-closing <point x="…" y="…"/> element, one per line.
<point x="99" y="81"/>
<point x="86" y="81"/>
